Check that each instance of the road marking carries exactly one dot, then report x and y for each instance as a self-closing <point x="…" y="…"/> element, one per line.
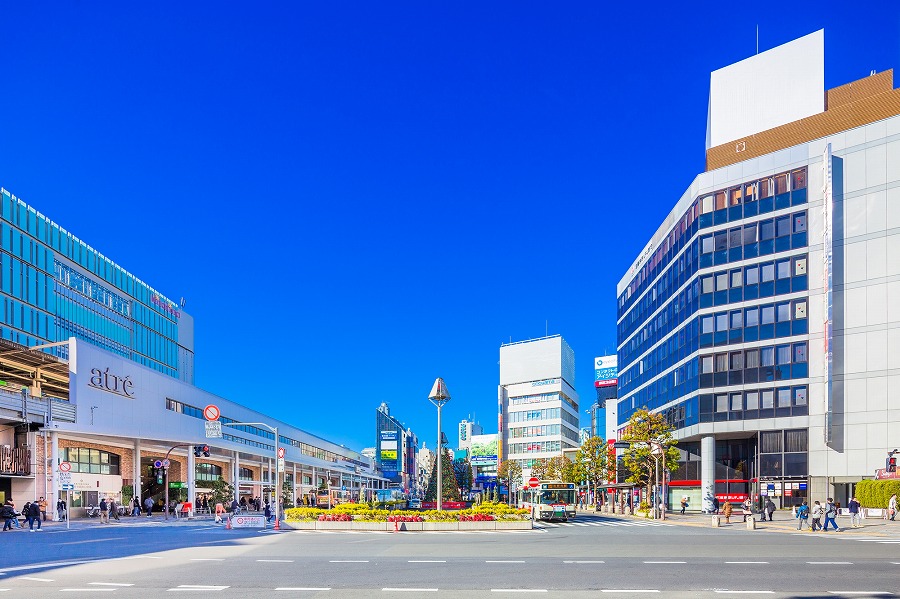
<point x="518" y="590"/>
<point x="83" y="590"/>
<point x="113" y="584"/>
<point x="198" y="587"/>
<point x="747" y="563"/>
<point x="348" y="561"/>
<point x="663" y="562"/>
<point x="277" y="561"/>
<point x="629" y="590"/>
<point x="303" y="589"/>
<point x="504" y="561"/>
<point x="889" y="542"/>
<point x="93" y="541"/>
<point x="36" y="579"/>
<point x="427" y="561"/>
<point x="746" y="592"/>
<point x="207" y="559"/>
<point x="583" y="562"/>
<point x="579" y="524"/>
<point x="831" y="563"/>
<point x="860" y="593"/>
<point x="400" y="589"/>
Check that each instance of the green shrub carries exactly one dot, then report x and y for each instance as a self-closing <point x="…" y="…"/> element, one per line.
<point x="303" y="513"/>
<point x="876" y="493"/>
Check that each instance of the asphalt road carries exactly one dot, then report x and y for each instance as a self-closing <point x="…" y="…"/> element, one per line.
<point x="594" y="556"/>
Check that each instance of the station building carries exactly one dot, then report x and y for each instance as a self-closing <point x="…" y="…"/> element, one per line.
<point x="763" y="316"/>
<point x="96" y="370"/>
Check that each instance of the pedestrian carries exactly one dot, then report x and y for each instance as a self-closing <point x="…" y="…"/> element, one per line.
<point x="61" y="509"/>
<point x="816" y="512"/>
<point x="726" y="510"/>
<point x="770" y="508"/>
<point x="802" y="516"/>
<point x="220" y="512"/>
<point x="43" y="503"/>
<point x="853" y="508"/>
<point x="747" y="508"/>
<point x="8" y="513"/>
<point x="113" y="510"/>
<point x="715" y="502"/>
<point x="15" y="520"/>
<point x="104" y="511"/>
<point x="34" y="515"/>
<point x="830" y="515"/>
<point x="892" y="506"/>
<point x="148" y="505"/>
<point x="268" y="513"/>
<point x="235" y="507"/>
<point x="135" y="507"/>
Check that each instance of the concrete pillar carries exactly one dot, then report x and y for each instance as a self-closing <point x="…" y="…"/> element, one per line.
<point x="136" y="464"/>
<point x="54" y="472"/>
<point x="235" y="470"/>
<point x="707" y="471"/>
<point x="294" y="484"/>
<point x="191" y="476"/>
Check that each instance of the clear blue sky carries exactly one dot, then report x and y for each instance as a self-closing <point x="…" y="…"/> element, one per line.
<point x="358" y="197"/>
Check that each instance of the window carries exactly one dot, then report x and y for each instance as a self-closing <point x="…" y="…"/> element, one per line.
<point x="768" y="314"/>
<point x="737" y="319"/>
<point x="783" y="354"/>
<point x="721" y="241"/>
<point x="722" y="281"/>
<point x="795" y="441"/>
<point x="767" y="229"/>
<point x="783" y="226"/>
<point x="799" y="353"/>
<point x="768" y="272"/>
<point x="722" y="403"/>
<point x="706" y="364"/>
<point x="751" y="275"/>
<point x="737" y="278"/>
<point x="751" y="317"/>
<point x="765" y="188"/>
<point x="735" y="196"/>
<point x="784" y="269"/>
<point x="783" y="311"/>
<point x="706" y="205"/>
<point x="752" y="356"/>
<point x="707" y="244"/>
<point x="800" y="310"/>
<point x="735" y="238"/>
<point x="784" y="397"/>
<point x="799" y="396"/>
<point x="750" y="234"/>
<point x="721" y="200"/>
<point x="800" y="222"/>
<point x="722" y="321"/>
<point x="799" y="266"/>
<point x="737" y="360"/>
<point x="781" y="183"/>
<point x="750" y="192"/>
<point x="737" y="402"/>
<point x="721" y="362"/>
<point x="753" y="400"/>
<point x="706" y="284"/>
<point x="767" y="356"/>
<point x="770" y="441"/>
<point x="768" y="400"/>
<point x="209" y="472"/>
<point x="706" y="324"/>
<point x="92" y="461"/>
<point x="798" y="179"/>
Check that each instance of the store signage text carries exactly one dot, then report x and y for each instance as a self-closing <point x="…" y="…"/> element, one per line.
<point x="164" y="305"/>
<point x="545" y="382"/>
<point x="107" y="381"/>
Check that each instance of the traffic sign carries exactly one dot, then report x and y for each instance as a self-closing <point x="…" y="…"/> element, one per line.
<point x="157" y="464"/>
<point x="343" y="487"/>
<point x="166" y="463"/>
<point x="68" y="487"/>
<point x="533" y="482"/>
<point x="211" y="412"/>
<point x="280" y="466"/>
<point x="213" y="429"/>
<point x="65" y="479"/>
<point x="65" y="467"/>
<point x="281" y="452"/>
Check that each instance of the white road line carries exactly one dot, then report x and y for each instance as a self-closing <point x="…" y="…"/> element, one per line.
<point x="348" y="561"/>
<point x="198" y="587"/>
<point x="113" y="584"/>
<point x="583" y="562"/>
<point x="579" y="524"/>
<point x="747" y="563"/>
<point x="504" y="561"/>
<point x="665" y="562"/>
<point x="746" y="592"/>
<point x="83" y="590"/>
<point x="207" y="559"/>
<point x="400" y="589"/>
<point x="427" y="561"/>
<point x="518" y="590"/>
<point x="629" y="590"/>
<point x="831" y="563"/>
<point x="277" y="561"/>
<point x="869" y="593"/>
<point x="93" y="541"/>
<point x="36" y="579"/>
<point x="303" y="589"/>
<point x="889" y="542"/>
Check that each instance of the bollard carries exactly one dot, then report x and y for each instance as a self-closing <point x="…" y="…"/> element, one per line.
<point x="751" y="523"/>
<point x="716" y="521"/>
<point x="228" y="523"/>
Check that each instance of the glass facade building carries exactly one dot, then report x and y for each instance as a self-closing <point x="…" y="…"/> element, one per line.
<point x="758" y="319"/>
<point x="396" y="450"/>
<point x="54" y="286"/>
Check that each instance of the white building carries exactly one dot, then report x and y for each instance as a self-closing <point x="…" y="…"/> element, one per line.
<point x="537" y="402"/>
<point x="467" y="430"/>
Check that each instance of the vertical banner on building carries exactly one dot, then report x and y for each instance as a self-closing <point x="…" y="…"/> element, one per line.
<point x="827" y="257"/>
<point x="501" y="396"/>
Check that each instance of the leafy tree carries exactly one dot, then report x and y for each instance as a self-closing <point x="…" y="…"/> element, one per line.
<point x="590" y="461"/>
<point x="449" y="485"/>
<point x="462" y="469"/>
<point x="222" y="492"/>
<point x="556" y="465"/>
<point x="511" y="472"/>
<point x="641" y="456"/>
<point x="540" y="467"/>
<point x="570" y="473"/>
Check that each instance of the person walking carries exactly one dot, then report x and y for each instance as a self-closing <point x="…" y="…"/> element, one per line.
<point x="148" y="505"/>
<point x="268" y="513"/>
<point x="684" y="504"/>
<point x="61" y="510"/>
<point x="135" y="507"/>
<point x="43" y="504"/>
<point x="853" y="508"/>
<point x="220" y="513"/>
<point x="8" y="513"/>
<point x="113" y="510"/>
<point x="104" y="511"/>
<point x="892" y="506"/>
<point x="747" y="508"/>
<point x="830" y="515"/>
<point x="726" y="510"/>
<point x="816" y="513"/>
<point x="770" y="508"/>
<point x="802" y="516"/>
<point x="34" y="515"/>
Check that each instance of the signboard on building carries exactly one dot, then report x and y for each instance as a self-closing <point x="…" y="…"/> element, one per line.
<point x="483" y="449"/>
<point x="606" y="369"/>
<point x="388" y="454"/>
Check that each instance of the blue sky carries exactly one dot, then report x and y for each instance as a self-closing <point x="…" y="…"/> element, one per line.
<point x="355" y="198"/>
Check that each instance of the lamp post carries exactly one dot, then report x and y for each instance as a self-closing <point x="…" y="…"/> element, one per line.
<point x="439" y="396"/>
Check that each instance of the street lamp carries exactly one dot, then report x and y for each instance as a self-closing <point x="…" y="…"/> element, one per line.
<point x="439" y="396"/>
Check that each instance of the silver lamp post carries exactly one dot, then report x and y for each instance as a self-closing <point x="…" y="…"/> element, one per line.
<point x="439" y="396"/>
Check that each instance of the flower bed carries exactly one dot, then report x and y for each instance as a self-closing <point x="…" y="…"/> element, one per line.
<point x="360" y="512"/>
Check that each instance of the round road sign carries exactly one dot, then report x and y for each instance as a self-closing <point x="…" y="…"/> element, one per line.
<point x="211" y="412"/>
<point x="281" y="452"/>
<point x="65" y="467"/>
<point x="157" y="464"/>
<point x="533" y="482"/>
<point x="166" y="463"/>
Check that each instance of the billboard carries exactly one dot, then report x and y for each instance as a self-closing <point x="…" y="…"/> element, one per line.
<point x="388" y="454"/>
<point x="606" y="370"/>
<point x="484" y="449"/>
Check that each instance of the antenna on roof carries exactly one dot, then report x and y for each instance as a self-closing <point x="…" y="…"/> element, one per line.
<point x="757" y="38"/>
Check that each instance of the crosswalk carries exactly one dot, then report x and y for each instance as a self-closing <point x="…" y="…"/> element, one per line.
<point x="599" y="522"/>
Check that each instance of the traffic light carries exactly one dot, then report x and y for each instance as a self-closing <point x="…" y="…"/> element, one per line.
<point x="891" y="464"/>
<point x="201" y="450"/>
<point x="159" y="476"/>
<point x="206" y="451"/>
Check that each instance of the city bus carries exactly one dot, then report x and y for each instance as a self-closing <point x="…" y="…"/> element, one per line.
<point x="550" y="500"/>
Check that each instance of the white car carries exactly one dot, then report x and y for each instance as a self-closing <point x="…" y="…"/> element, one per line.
<point x="415" y="504"/>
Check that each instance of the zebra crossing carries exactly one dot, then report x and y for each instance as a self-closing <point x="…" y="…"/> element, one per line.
<point x="599" y="522"/>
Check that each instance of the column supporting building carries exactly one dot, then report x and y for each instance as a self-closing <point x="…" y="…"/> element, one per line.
<point x="708" y="471"/>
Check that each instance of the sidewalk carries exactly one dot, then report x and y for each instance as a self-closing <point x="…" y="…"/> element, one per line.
<point x="156" y="519"/>
<point x="783" y="522"/>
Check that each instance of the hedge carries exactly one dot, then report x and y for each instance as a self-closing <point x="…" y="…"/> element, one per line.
<point x="876" y="493"/>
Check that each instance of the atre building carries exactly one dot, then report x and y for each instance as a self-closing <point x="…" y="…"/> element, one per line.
<point x="763" y="316"/>
<point x="96" y="370"/>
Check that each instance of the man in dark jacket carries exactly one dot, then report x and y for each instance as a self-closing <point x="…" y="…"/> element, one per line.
<point x="34" y="515"/>
<point x="770" y="508"/>
<point x="8" y="513"/>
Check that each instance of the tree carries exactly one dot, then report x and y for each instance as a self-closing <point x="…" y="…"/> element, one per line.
<point x="556" y="466"/>
<point x="641" y="456"/>
<point x="462" y="469"/>
<point x="540" y="467"/>
<point x="222" y="492"/>
<point x="449" y="485"/>
<point x="590" y="461"/>
<point x="511" y="472"/>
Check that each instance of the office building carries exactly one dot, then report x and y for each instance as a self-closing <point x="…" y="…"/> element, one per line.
<point x="762" y="317"/>
<point x="537" y="402"/>
<point x="467" y="430"/>
<point x="396" y="451"/>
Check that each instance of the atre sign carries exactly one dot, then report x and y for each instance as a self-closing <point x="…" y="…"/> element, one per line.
<point x="111" y="383"/>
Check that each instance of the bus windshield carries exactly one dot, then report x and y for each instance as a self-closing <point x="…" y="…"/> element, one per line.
<point x="557" y="496"/>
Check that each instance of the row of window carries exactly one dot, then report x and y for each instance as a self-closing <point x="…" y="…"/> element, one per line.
<point x="91" y="461"/>
<point x="754" y="404"/>
<point x="714" y="209"/>
<point x="91" y="289"/>
<point x="534" y="431"/>
<point x="208" y="472"/>
<point x="753" y="240"/>
<point x="766" y="279"/>
<point x="768" y="321"/>
<point x="534" y="447"/>
<point x="543" y="414"/>
<point x="542" y="397"/>
<point x="25" y="282"/>
<point x="757" y="365"/>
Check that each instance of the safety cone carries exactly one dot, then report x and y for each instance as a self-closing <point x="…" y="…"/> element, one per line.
<point x="228" y="523"/>
<point x="277" y="525"/>
<point x="396" y="529"/>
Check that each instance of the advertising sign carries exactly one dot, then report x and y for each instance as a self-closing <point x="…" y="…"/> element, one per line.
<point x="606" y="369"/>
<point x="388" y="454"/>
<point x="388" y="435"/>
<point x="484" y="450"/>
<point x="248" y="522"/>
